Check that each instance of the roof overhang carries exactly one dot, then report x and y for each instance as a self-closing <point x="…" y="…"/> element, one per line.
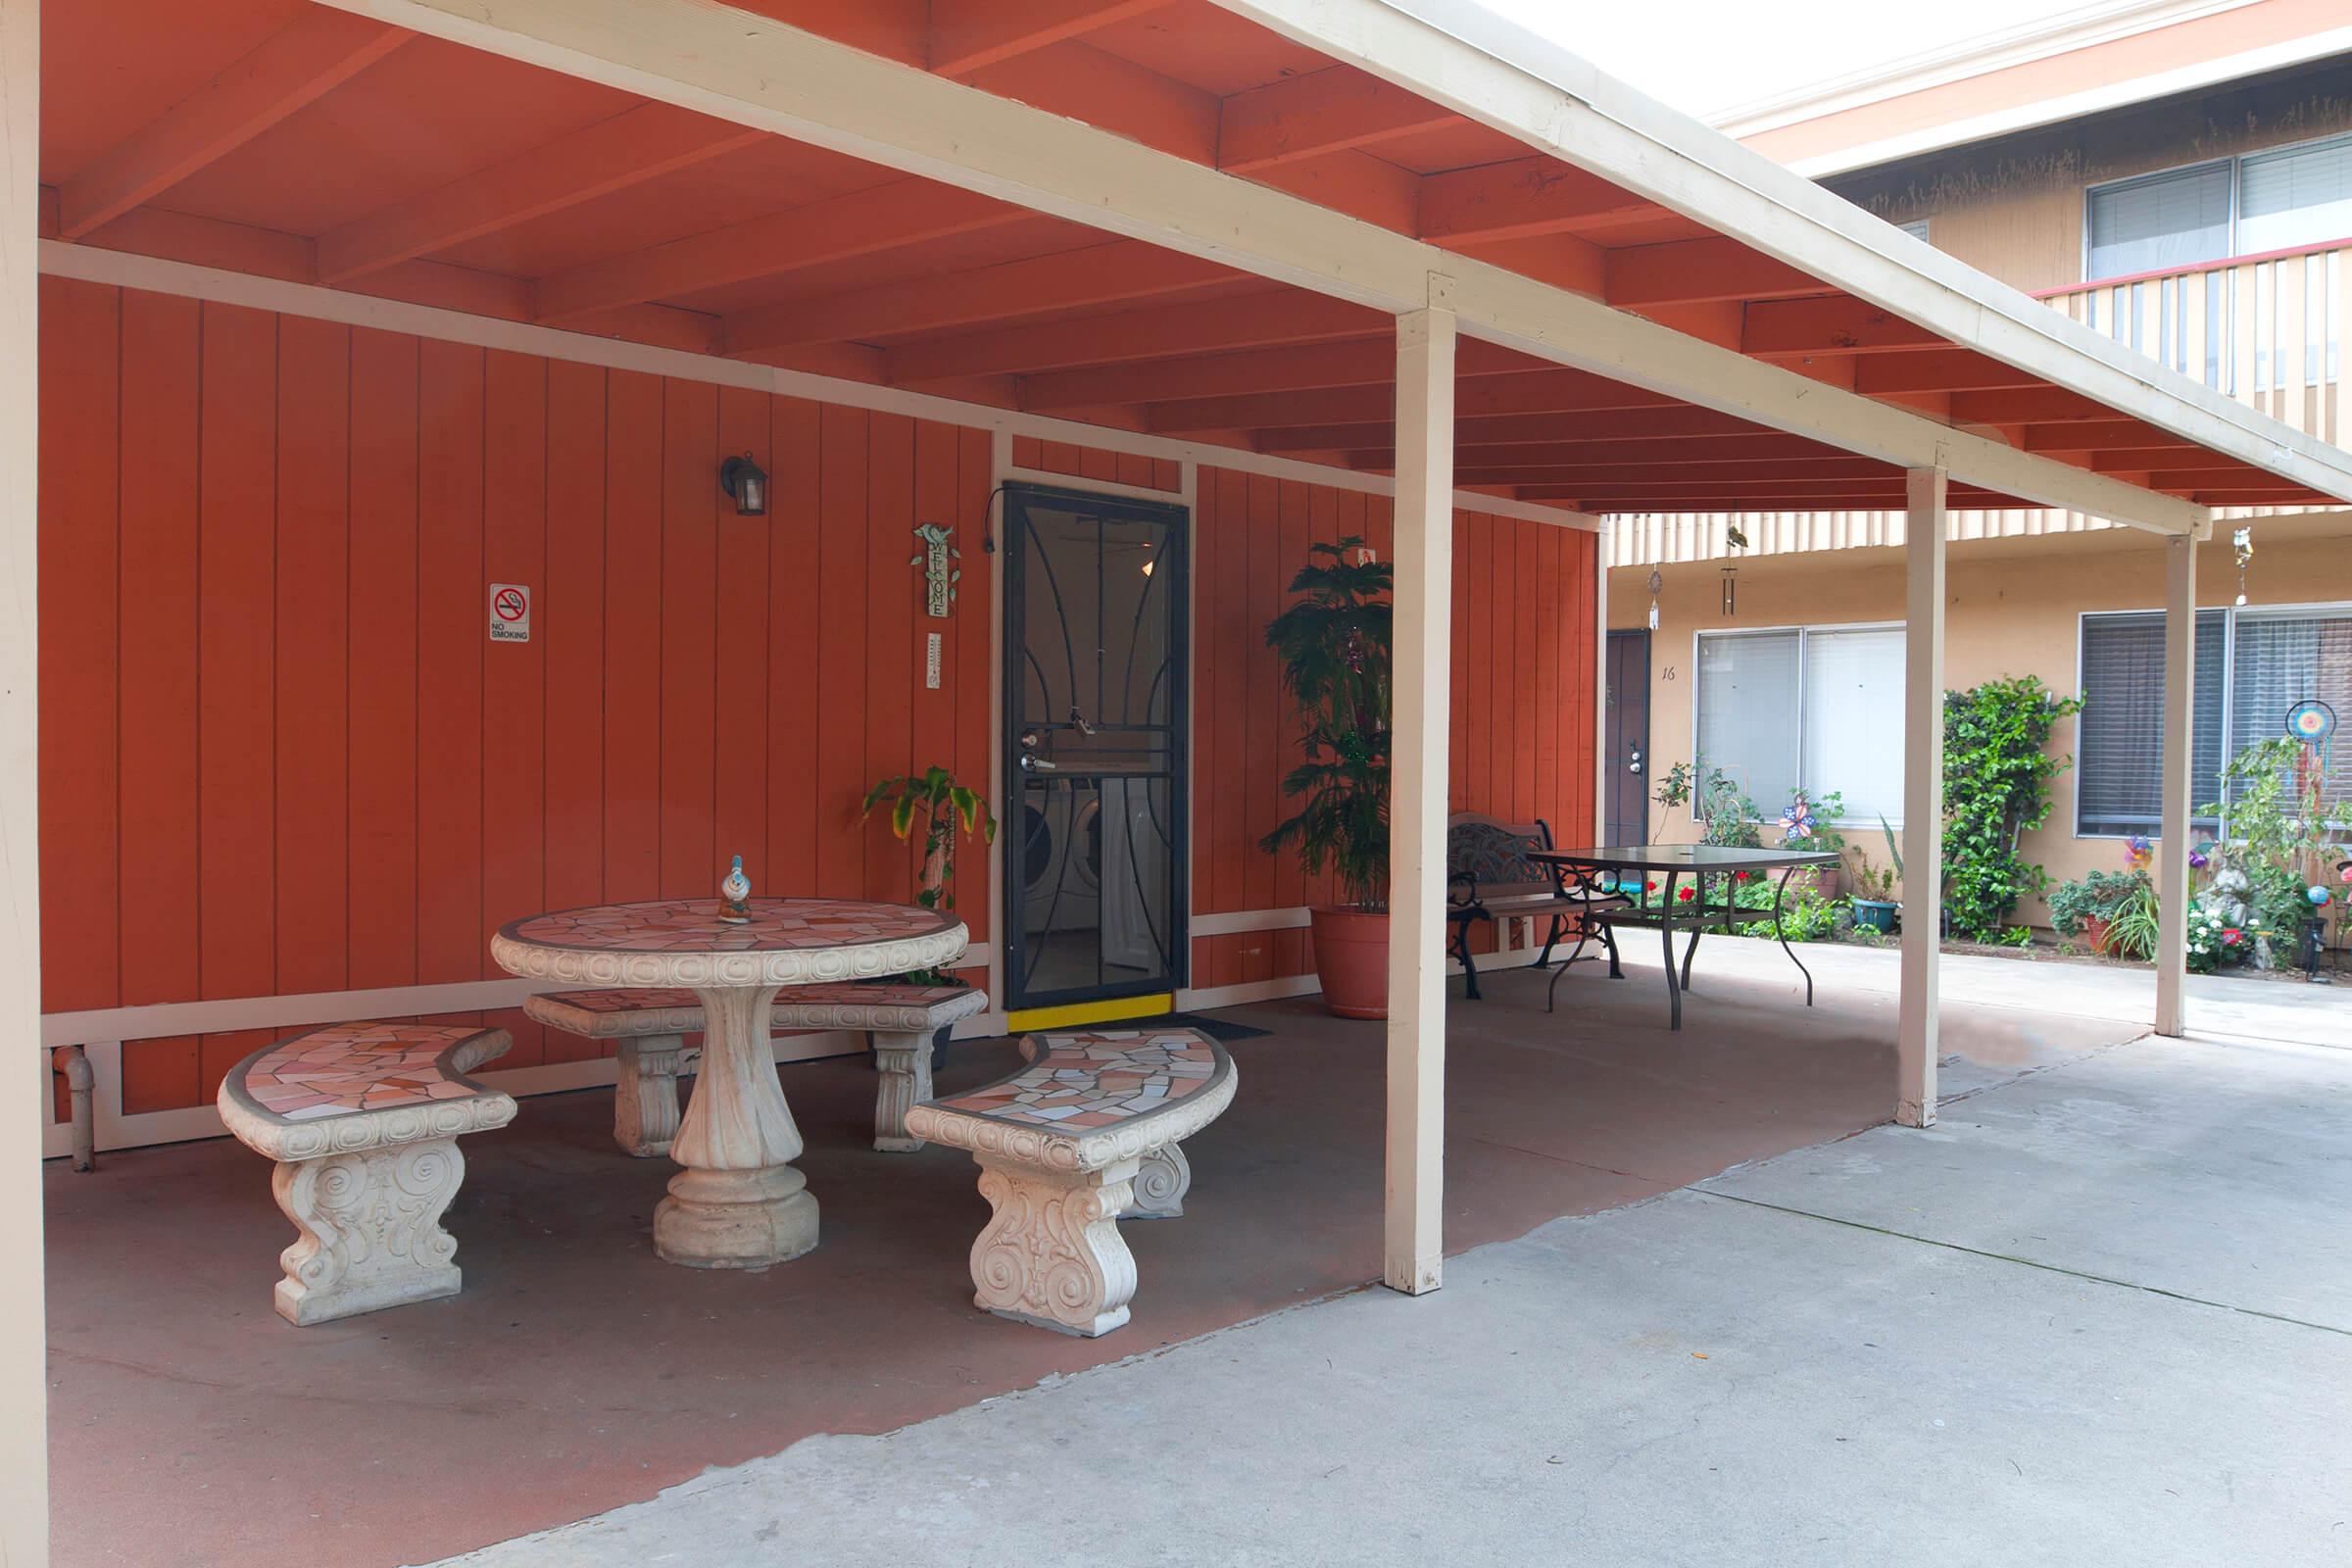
<point x="1658" y="320"/>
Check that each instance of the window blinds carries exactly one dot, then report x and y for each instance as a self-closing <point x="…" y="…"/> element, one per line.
<point x="2119" y="735"/>
<point x="1854" y="719"/>
<point x="1747" y="706"/>
<point x="2283" y="659"/>
<point x="2160" y="223"/>
<point x="2296" y="197"/>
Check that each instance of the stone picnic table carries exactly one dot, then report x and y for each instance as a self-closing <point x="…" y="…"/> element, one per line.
<point x="738" y="1202"/>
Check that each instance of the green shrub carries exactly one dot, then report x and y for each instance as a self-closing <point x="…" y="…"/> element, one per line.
<point x="1997" y="777"/>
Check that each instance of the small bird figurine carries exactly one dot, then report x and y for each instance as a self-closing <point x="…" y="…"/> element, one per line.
<point x="735" y="895"/>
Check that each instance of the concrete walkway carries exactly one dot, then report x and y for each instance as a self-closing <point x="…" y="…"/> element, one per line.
<point x="2102" y="1314"/>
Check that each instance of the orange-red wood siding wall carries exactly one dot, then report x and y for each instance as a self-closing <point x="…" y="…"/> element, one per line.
<point x="1521" y="700"/>
<point x="279" y="754"/>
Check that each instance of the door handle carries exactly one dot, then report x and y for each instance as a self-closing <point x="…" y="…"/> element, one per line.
<point x="1037" y="764"/>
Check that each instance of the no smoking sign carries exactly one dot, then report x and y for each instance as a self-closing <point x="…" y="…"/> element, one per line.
<point x="510" y="612"/>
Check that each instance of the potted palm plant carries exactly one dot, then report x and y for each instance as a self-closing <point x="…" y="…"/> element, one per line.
<point x="1337" y="656"/>
<point x="943" y="805"/>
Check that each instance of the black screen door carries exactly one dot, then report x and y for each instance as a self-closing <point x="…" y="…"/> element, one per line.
<point x="1627" y="737"/>
<point x="1095" y="747"/>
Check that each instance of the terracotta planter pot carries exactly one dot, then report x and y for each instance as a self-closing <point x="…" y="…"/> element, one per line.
<point x="2098" y="933"/>
<point x="1351" y="960"/>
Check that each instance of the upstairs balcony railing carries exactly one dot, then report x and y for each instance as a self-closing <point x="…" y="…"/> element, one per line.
<point x="2268" y="330"/>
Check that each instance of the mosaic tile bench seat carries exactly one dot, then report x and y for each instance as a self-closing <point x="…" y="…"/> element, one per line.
<point x="1087" y="1131"/>
<point x="899" y="1022"/>
<point x="364" y="1122"/>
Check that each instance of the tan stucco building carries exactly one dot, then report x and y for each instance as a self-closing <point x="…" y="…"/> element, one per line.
<point x="2181" y="180"/>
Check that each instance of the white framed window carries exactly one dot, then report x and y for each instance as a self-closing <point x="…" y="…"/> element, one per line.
<point x="1917" y="228"/>
<point x="1817" y="708"/>
<point x="2251" y="667"/>
<point x="2274" y="200"/>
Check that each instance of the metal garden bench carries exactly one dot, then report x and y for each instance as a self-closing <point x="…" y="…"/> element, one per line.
<point x="1491" y="876"/>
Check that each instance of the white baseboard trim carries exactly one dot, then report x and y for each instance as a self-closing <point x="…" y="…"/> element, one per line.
<point x="1235" y="921"/>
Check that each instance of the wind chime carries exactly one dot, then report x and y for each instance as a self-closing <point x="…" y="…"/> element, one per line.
<point x="1657" y="583"/>
<point x="1738" y="541"/>
<point x="2242" y="542"/>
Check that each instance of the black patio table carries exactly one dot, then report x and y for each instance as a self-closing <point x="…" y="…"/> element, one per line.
<point x="1699" y="862"/>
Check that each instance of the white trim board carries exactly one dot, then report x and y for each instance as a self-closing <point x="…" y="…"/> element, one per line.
<point x="754" y="71"/>
<point x="158" y="275"/>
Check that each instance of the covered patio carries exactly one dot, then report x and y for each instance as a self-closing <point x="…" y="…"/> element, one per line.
<point x="335" y="317"/>
<point x="577" y="1372"/>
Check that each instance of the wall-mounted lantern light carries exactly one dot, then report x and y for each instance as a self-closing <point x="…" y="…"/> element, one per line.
<point x="747" y="482"/>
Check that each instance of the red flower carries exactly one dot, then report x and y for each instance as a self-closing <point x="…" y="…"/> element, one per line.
<point x="1649" y="887"/>
<point x="1742" y="876"/>
<point x="1684" y="894"/>
<point x="2230" y="936"/>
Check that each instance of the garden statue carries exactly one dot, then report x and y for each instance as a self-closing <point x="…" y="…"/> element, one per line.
<point x="735" y="895"/>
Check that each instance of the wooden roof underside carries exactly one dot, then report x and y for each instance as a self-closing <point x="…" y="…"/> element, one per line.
<point x="292" y="141"/>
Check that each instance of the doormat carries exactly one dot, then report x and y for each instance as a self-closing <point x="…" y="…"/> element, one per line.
<point x="1214" y="1028"/>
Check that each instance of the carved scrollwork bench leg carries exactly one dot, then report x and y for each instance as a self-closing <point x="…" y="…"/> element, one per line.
<point x="1162" y="1177"/>
<point x="645" y="1098"/>
<point x="1051" y="1255"/>
<point x="903" y="1069"/>
<point x="370" y="1224"/>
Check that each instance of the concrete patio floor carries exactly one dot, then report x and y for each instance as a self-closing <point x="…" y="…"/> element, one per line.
<point x="577" y="1373"/>
<point x="2101" y="1314"/>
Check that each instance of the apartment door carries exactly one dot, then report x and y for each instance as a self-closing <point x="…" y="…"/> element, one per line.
<point x="1627" y="736"/>
<point x="1095" y="714"/>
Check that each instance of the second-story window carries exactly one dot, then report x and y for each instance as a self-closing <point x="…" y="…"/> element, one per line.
<point x="2181" y="218"/>
<point x="2159" y="222"/>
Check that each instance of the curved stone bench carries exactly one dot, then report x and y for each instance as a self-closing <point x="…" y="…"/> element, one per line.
<point x="899" y="1022"/>
<point x="1063" y="1146"/>
<point x="364" y="1122"/>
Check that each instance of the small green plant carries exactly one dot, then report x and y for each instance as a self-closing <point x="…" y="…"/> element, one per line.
<point x="1873" y="881"/>
<point x="1727" y="816"/>
<point x="2095" y="897"/>
<point x="2131" y="932"/>
<point x="1337" y="652"/>
<point x="942" y="803"/>
<point x="2017" y="936"/>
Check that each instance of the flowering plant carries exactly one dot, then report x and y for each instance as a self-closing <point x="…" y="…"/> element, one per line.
<point x="2216" y="942"/>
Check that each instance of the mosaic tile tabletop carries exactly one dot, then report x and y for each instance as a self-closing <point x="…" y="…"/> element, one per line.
<point x="360" y="1067"/>
<point x="1093" y="1079"/>
<point x="693" y="925"/>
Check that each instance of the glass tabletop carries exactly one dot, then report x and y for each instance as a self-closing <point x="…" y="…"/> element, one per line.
<point x="1686" y="858"/>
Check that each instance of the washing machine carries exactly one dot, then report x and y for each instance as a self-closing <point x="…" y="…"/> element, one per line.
<point x="1062" y="851"/>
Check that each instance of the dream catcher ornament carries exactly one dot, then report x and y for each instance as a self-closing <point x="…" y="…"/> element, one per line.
<point x="1657" y="583"/>
<point x="2313" y="723"/>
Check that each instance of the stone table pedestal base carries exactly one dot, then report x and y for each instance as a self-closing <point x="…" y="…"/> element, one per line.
<point x="736" y="1218"/>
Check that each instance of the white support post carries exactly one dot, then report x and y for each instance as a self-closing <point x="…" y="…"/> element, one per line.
<point x="2171" y="854"/>
<point x="23" y="1341"/>
<point x="1424" y="609"/>
<point x="1923" y="794"/>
